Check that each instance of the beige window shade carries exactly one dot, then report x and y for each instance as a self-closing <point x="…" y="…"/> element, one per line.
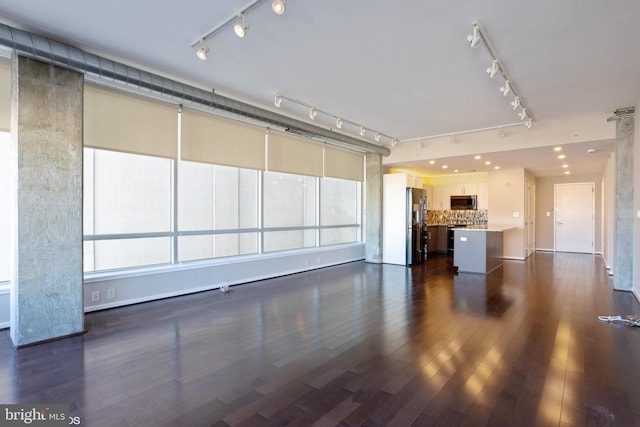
<point x="113" y="121"/>
<point x="343" y="164"/>
<point x="291" y="154"/>
<point x="5" y="97"/>
<point x="208" y="139"/>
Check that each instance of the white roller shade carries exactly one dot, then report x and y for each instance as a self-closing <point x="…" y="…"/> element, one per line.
<point x="209" y="139"/>
<point x="113" y="121"/>
<point x="5" y="97"/>
<point x="343" y="164"/>
<point x="290" y="154"/>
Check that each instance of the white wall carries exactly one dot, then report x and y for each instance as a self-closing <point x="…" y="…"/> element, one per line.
<point x="506" y="208"/>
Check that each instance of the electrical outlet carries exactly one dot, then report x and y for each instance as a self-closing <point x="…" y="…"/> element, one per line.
<point x="111" y="293"/>
<point x="95" y="296"/>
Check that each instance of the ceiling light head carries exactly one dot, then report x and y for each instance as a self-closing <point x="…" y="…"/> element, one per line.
<point x="516" y="103"/>
<point x="529" y="124"/>
<point x="202" y="50"/>
<point x="591" y="150"/>
<point x="278" y="101"/>
<point x="279" y="6"/>
<point x="493" y="69"/>
<point x="339" y="123"/>
<point x="394" y="142"/>
<point x="523" y="114"/>
<point x="313" y="113"/>
<point x="240" y="27"/>
<point x="474" y="39"/>
<point x="362" y="130"/>
<point x="506" y="88"/>
<point x="377" y="137"/>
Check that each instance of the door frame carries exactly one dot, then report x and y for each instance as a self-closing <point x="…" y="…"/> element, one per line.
<point x="593" y="213"/>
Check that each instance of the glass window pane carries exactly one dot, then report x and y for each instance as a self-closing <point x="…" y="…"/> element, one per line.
<point x="340" y="201"/>
<point x="289" y="200"/>
<point x="123" y="253"/>
<point x="218" y="245"/>
<point x="334" y="236"/>
<point x="132" y="193"/>
<point x="291" y="239"/>
<point x="212" y="197"/>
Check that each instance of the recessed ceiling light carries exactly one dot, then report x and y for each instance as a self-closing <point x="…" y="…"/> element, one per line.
<point x="561" y="156"/>
<point x="279" y="6"/>
<point x="478" y="157"/>
<point x="487" y="163"/>
<point x="591" y="150"/>
<point x="431" y="162"/>
<point x="456" y="170"/>
<point x="445" y="167"/>
<point x="496" y="167"/>
<point x="565" y="166"/>
<point x="567" y="172"/>
<point x="557" y="149"/>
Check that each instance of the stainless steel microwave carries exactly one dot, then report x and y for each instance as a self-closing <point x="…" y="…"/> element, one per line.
<point x="459" y="203"/>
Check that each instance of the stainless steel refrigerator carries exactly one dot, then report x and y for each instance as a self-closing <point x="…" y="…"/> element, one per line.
<point x="416" y="226"/>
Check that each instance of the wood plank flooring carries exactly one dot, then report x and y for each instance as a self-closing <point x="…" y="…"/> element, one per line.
<point x="354" y="345"/>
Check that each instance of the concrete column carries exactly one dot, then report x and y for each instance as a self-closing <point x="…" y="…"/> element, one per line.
<point x="46" y="293"/>
<point x="625" y="179"/>
<point x="373" y="214"/>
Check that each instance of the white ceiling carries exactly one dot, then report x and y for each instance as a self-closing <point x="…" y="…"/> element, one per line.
<point x="402" y="68"/>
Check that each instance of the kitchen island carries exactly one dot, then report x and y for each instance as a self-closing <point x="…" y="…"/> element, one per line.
<point x="478" y="248"/>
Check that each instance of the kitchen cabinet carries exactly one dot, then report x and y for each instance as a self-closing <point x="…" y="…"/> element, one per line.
<point x="437" y="197"/>
<point x="432" y="239"/>
<point x="441" y="194"/>
<point x="443" y="239"/>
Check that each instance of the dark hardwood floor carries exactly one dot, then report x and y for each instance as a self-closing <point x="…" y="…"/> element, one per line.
<point x="357" y="344"/>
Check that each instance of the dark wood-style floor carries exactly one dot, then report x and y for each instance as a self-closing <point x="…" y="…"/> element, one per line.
<point x="357" y="344"/>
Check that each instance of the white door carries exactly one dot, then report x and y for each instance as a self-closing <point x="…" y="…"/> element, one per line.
<point x="575" y="223"/>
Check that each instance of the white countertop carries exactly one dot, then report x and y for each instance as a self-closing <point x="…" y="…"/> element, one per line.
<point x="487" y="227"/>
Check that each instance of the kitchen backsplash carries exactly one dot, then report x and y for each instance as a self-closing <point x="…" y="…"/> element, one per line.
<point x="480" y="216"/>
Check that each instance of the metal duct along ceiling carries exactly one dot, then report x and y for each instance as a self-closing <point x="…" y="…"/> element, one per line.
<point x="40" y="48"/>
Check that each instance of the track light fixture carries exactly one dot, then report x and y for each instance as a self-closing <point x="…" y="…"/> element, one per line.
<point x="516" y="103"/>
<point x="529" y="124"/>
<point x="493" y="69"/>
<point x="240" y="27"/>
<point x="279" y="6"/>
<point x="474" y="39"/>
<point x="394" y="142"/>
<point x="523" y="114"/>
<point x="506" y="88"/>
<point x="497" y="69"/>
<point x="341" y="123"/>
<point x="202" y="50"/>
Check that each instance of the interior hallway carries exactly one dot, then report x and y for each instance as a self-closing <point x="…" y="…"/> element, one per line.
<point x="356" y="344"/>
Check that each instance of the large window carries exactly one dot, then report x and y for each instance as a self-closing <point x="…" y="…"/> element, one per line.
<point x="290" y="215"/>
<point x="217" y="211"/>
<point x="339" y="211"/>
<point x="163" y="187"/>
<point x="127" y="210"/>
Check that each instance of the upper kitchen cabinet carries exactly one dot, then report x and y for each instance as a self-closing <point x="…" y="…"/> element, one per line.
<point x="462" y="189"/>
